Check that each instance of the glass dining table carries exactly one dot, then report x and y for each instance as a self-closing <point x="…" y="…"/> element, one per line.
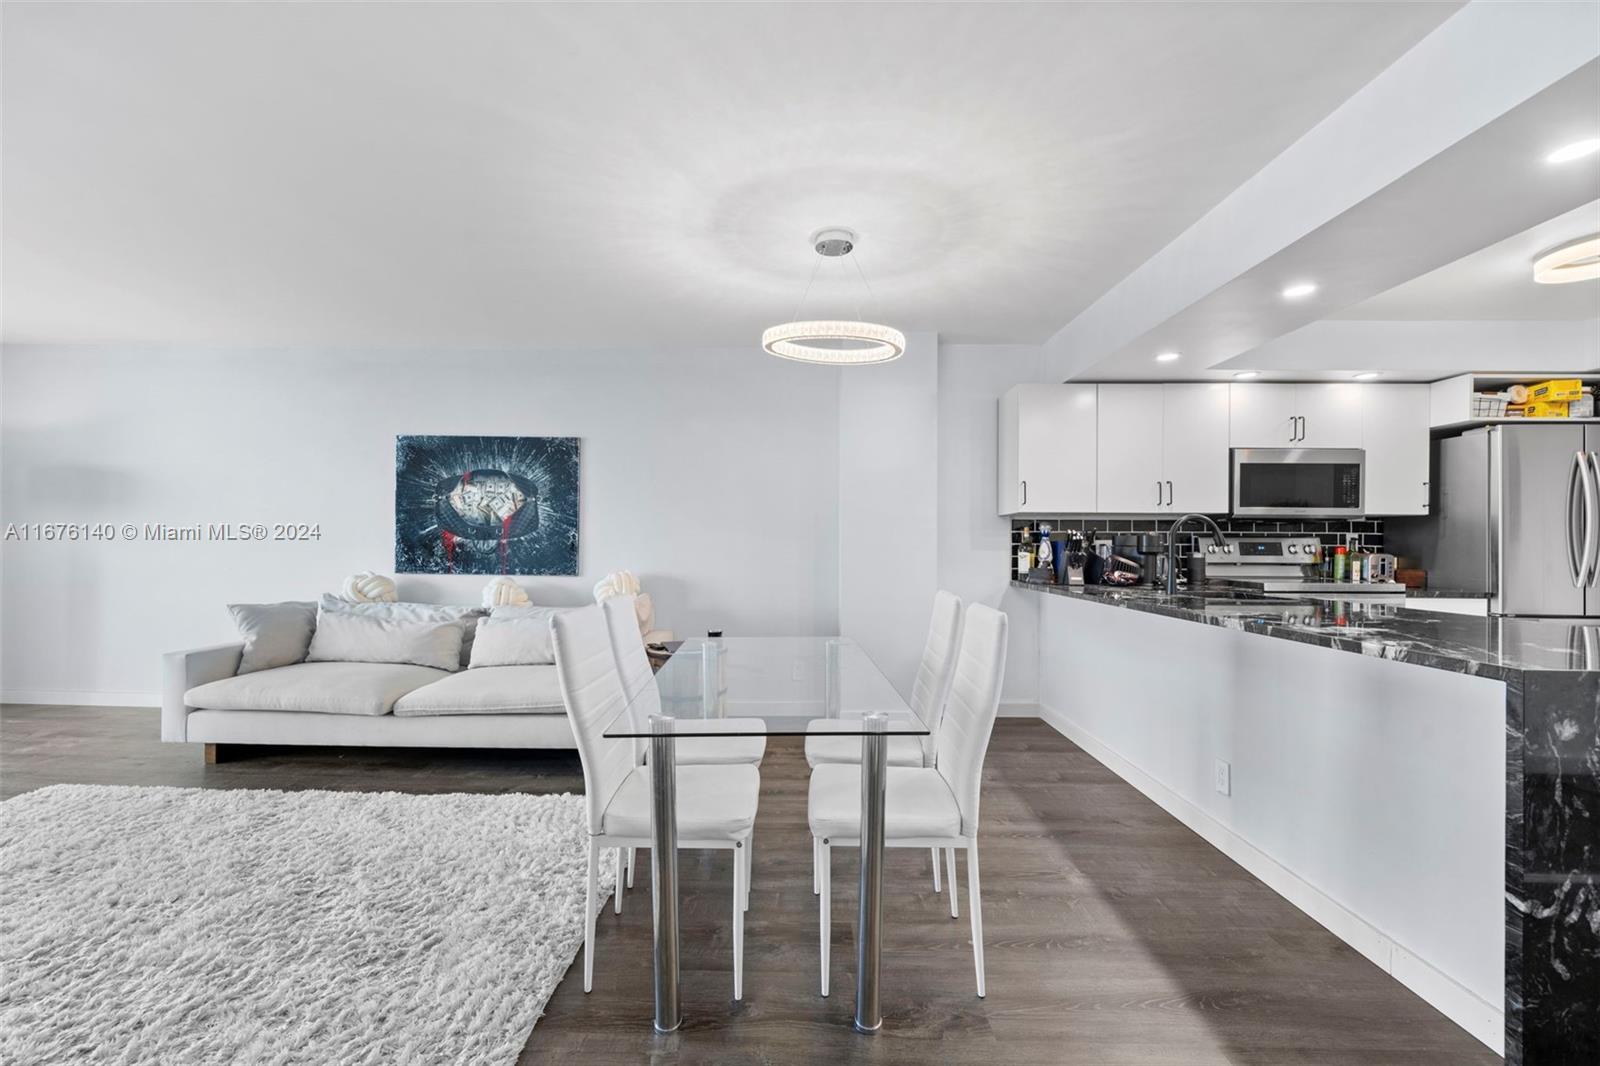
<point x="776" y="686"/>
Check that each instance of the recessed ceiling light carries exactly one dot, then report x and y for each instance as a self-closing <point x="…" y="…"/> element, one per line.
<point x="1169" y="357"/>
<point x="1367" y="375"/>
<point x="1577" y="260"/>
<point x="1575" y="150"/>
<point x="1299" y="289"/>
<point x="1246" y="375"/>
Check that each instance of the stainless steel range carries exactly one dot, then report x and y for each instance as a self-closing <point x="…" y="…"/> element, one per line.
<point x="1284" y="566"/>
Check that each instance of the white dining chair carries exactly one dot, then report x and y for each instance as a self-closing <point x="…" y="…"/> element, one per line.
<point x="928" y="694"/>
<point x="639" y="688"/>
<point x="716" y="805"/>
<point x="925" y="806"/>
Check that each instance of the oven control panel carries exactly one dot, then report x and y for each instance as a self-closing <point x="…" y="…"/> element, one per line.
<point x="1268" y="551"/>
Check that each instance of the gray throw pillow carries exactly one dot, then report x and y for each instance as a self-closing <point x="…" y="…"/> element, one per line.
<point x="274" y="634"/>
<point x="465" y="617"/>
<point x="515" y="636"/>
<point x="351" y="637"/>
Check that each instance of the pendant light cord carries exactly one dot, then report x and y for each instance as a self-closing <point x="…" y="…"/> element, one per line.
<point x="871" y="296"/>
<point x="807" y="291"/>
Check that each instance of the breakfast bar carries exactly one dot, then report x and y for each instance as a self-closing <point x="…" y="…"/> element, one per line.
<point x="1352" y="754"/>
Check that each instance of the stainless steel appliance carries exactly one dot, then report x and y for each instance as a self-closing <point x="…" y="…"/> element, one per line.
<point x="1299" y="481"/>
<point x="1284" y="565"/>
<point x="1516" y="516"/>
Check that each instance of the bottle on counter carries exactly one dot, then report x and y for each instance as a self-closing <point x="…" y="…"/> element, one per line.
<point x="1341" y="559"/>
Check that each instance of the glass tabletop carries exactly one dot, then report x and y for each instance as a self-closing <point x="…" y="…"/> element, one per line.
<point x="743" y="686"/>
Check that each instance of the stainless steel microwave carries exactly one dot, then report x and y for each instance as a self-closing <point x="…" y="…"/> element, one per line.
<point x="1299" y="482"/>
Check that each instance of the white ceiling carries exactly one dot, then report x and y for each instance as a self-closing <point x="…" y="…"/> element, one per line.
<point x="443" y="175"/>
<point x="1495" y="282"/>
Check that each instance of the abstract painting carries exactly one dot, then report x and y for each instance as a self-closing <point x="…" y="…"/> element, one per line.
<point x="486" y="505"/>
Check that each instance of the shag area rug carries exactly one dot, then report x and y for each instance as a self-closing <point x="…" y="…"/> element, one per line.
<point x="172" y="926"/>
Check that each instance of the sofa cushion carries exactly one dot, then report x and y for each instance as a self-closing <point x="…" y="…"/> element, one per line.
<point x="323" y="688"/>
<point x="414" y="612"/>
<point x="274" y="634"/>
<point x="356" y="638"/>
<point x="521" y="639"/>
<point x="487" y="690"/>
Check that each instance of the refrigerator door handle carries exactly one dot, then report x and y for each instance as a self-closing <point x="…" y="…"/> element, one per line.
<point x="1591" y="527"/>
<point x="1585" y="476"/>
<point x="1578" y="482"/>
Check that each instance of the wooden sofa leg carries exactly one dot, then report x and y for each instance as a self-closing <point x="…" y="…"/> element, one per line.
<point x="214" y="754"/>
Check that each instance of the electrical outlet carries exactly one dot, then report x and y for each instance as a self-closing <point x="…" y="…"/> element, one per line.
<point x="1223" y="776"/>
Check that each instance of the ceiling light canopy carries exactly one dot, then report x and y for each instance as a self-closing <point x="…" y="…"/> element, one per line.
<point x="1577" y="260"/>
<point x="1576" y="150"/>
<point x="1299" y="290"/>
<point x="1168" y="357"/>
<point x="836" y="342"/>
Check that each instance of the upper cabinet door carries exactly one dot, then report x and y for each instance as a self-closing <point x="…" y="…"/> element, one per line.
<point x="1330" y="415"/>
<point x="1130" y="448"/>
<point x="1263" y="416"/>
<point x="1195" y="429"/>
<point x="1046" y="461"/>
<point x="1395" y="435"/>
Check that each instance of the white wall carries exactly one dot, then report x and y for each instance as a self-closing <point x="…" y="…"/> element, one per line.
<point x="1370" y="793"/>
<point x="888" y="506"/>
<point x="713" y="475"/>
<point x="974" y="541"/>
<point x="1424" y="351"/>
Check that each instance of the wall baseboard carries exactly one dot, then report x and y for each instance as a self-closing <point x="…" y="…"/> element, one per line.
<point x="1484" y="1021"/>
<point x="56" y="698"/>
<point x="1020" y="709"/>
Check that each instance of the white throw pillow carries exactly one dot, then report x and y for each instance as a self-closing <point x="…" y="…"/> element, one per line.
<point x="465" y="617"/>
<point x="347" y="637"/>
<point x="515" y="636"/>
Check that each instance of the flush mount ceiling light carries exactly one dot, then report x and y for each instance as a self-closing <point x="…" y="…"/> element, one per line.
<point x="1367" y="375"/>
<point x="834" y="341"/>
<point x="1246" y="375"/>
<point x="1576" y="150"/>
<point x="1577" y="260"/>
<point x="1168" y="357"/>
<point x="1299" y="290"/>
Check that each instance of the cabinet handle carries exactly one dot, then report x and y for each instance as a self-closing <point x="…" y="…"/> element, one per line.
<point x="1169" y="494"/>
<point x="1158" y="493"/>
<point x="1024" y="493"/>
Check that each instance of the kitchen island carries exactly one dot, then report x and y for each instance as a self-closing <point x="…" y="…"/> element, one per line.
<point x="1426" y="785"/>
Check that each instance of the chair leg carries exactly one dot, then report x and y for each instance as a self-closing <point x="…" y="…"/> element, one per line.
<point x="749" y="865"/>
<point x="630" y="866"/>
<point x="950" y="879"/>
<point x="975" y="904"/>
<point x="589" y="916"/>
<point x="935" y="852"/>
<point x="739" y="906"/>
<point x="824" y="906"/>
<point x="616" y="870"/>
<point x="816" y="866"/>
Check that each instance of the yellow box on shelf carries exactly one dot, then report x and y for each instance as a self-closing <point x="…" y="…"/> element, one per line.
<point x="1545" y="409"/>
<point x="1558" y="390"/>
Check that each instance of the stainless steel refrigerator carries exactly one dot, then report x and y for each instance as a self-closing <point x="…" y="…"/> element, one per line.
<point x="1515" y="514"/>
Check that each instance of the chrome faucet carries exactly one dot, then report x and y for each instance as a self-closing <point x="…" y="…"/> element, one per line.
<point x="1217" y="537"/>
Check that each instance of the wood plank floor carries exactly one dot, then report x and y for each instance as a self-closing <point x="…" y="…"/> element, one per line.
<point x="1114" y="934"/>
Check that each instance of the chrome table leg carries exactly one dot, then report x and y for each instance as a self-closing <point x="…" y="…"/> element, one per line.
<point x="869" y="938"/>
<point x="664" y="871"/>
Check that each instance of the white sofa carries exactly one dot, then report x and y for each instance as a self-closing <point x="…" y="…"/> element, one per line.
<point x="206" y="701"/>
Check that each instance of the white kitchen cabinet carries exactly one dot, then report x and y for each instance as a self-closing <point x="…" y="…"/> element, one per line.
<point x="1194" y="454"/>
<point x="1130" y="450"/>
<point x="1331" y="414"/>
<point x="1047" y="449"/>
<point x="1163" y="449"/>
<point x="1395" y="436"/>
<point x="1263" y="416"/>
<point x="1322" y="415"/>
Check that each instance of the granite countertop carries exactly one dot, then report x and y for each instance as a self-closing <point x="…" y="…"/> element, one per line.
<point x="1446" y="594"/>
<point x="1499" y="648"/>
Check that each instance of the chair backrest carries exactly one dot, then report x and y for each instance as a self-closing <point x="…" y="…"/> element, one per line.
<point x="633" y="664"/>
<point x="592" y="691"/>
<point x="974" y="702"/>
<point x="938" y="666"/>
